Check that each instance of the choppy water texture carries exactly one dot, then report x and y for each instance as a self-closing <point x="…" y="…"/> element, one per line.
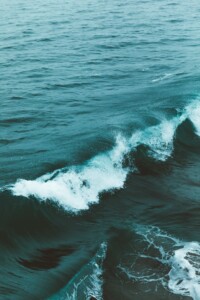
<point x="99" y="150"/>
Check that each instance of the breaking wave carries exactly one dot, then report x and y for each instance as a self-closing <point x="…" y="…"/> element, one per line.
<point x="77" y="187"/>
<point x="87" y="284"/>
<point x="179" y="263"/>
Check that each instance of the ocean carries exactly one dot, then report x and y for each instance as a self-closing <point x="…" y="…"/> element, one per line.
<point x="99" y="150"/>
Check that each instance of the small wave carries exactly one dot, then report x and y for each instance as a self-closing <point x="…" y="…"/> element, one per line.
<point x="163" y="77"/>
<point x="77" y="187"/>
<point x="10" y="141"/>
<point x="88" y="283"/>
<point x="15" y="97"/>
<point x="16" y="120"/>
<point x="179" y="260"/>
<point x="184" y="275"/>
<point x="64" y="85"/>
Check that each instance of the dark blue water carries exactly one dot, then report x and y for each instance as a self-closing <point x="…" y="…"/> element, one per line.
<point x="99" y="150"/>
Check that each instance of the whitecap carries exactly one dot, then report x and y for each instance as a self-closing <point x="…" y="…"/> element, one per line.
<point x="79" y="186"/>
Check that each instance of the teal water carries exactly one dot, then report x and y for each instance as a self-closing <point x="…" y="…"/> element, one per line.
<point x="99" y="150"/>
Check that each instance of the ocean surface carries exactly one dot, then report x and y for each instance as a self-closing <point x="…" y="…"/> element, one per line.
<point x="100" y="150"/>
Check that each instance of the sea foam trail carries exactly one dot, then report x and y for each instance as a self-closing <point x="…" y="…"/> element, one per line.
<point x="77" y="187"/>
<point x="180" y="262"/>
<point x="88" y="283"/>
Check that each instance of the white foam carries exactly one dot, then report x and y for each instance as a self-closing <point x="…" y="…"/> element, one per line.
<point x="184" y="277"/>
<point x="80" y="186"/>
<point x="159" y="138"/>
<point x="95" y="288"/>
<point x="192" y="111"/>
<point x="182" y="258"/>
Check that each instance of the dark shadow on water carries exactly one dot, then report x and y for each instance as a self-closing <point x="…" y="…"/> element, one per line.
<point x="47" y="258"/>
